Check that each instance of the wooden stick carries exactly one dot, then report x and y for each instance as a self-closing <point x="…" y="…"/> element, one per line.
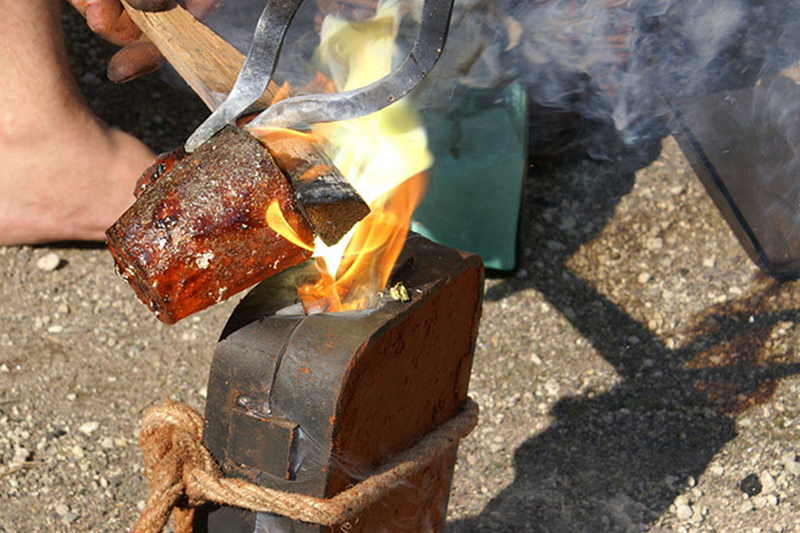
<point x="202" y="58"/>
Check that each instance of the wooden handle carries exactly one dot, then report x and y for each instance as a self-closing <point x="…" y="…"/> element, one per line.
<point x="202" y="58"/>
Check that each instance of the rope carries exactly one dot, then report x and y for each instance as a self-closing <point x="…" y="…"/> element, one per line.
<point x="183" y="474"/>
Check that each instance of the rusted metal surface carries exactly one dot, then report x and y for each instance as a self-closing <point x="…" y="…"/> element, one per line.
<point x="197" y="234"/>
<point x="340" y="392"/>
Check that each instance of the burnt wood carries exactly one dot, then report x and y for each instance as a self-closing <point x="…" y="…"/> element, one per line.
<point x="197" y="234"/>
<point x="331" y="205"/>
<point x="341" y="392"/>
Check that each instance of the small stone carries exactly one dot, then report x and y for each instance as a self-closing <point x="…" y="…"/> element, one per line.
<point x="90" y="78"/>
<point x="656" y="243"/>
<point x="643" y="278"/>
<point x="691" y="481"/>
<point x="20" y="455"/>
<point x="709" y="262"/>
<point x="107" y="443"/>
<point x="717" y="470"/>
<point x="789" y="460"/>
<point x="78" y="452"/>
<point x="768" y="485"/>
<point x="4" y="369"/>
<point x="759" y="502"/>
<point x="751" y="485"/>
<point x="48" y="262"/>
<point x="683" y="512"/>
<point x="55" y="329"/>
<point x="62" y="509"/>
<point x="772" y="500"/>
<point x="680" y="500"/>
<point x="535" y="359"/>
<point x="89" y="427"/>
<point x="69" y="517"/>
<point x="140" y="505"/>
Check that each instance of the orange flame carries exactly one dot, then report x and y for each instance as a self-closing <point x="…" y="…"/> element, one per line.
<point x="384" y="156"/>
<point x="370" y="255"/>
<point x="281" y="226"/>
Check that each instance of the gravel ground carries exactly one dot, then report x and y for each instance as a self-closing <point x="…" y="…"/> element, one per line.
<point x="632" y="374"/>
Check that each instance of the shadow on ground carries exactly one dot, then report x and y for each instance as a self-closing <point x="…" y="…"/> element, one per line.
<point x="616" y="460"/>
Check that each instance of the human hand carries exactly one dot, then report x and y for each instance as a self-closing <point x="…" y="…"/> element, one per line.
<point x="109" y="20"/>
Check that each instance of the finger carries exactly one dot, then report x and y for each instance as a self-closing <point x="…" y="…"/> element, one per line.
<point x="108" y="19"/>
<point x="134" y="60"/>
<point x="201" y="8"/>
<point x="152" y="5"/>
<point x="79" y="5"/>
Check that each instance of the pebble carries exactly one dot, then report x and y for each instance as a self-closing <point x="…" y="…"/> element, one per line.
<point x="62" y="509"/>
<point x="789" y="460"/>
<point x="751" y="485"/>
<point x="78" y="452"/>
<point x="717" y="470"/>
<point x="768" y="484"/>
<point x="48" y="262"/>
<point x="89" y="427"/>
<point x="644" y="277"/>
<point x="107" y="443"/>
<point x="91" y="78"/>
<point x="20" y="455"/>
<point x="683" y="512"/>
<point x="656" y="243"/>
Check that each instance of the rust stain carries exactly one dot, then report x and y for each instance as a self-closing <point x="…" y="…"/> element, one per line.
<point x="745" y="325"/>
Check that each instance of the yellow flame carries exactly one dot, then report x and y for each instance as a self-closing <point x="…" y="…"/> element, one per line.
<point x="378" y="152"/>
<point x="281" y="226"/>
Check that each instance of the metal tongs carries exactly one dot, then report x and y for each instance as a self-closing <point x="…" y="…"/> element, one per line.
<point x="301" y="111"/>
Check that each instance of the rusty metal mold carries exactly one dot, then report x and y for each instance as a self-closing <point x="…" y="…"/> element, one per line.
<point x="313" y="404"/>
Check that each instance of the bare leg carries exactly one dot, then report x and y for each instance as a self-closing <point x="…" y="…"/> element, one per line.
<point x="63" y="174"/>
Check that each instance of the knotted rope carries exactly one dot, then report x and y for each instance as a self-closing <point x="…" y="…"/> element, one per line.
<point x="183" y="474"/>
